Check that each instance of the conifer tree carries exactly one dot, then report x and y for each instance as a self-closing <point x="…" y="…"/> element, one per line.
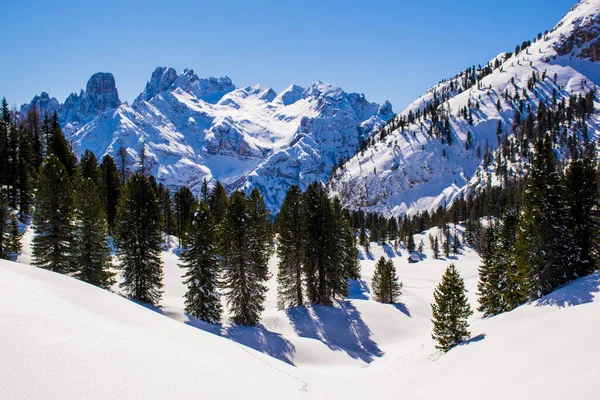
<point x="26" y="170"/>
<point x="244" y="280"/>
<point x="450" y="311"/>
<point x="184" y="202"/>
<point x="581" y="184"/>
<point x="544" y="249"/>
<point x="488" y="287"/>
<point x="89" y="167"/>
<point x="410" y="242"/>
<point x="436" y="248"/>
<point x="201" y="259"/>
<point x="91" y="254"/>
<point x="10" y="237"/>
<point x="351" y="260"/>
<point x="60" y="147"/>
<point x="110" y="188"/>
<point x="138" y="240"/>
<point x="290" y="251"/>
<point x="260" y="235"/>
<point x="53" y="218"/>
<point x="166" y="208"/>
<point x="336" y="268"/>
<point x="385" y="285"/>
<point x="218" y="201"/>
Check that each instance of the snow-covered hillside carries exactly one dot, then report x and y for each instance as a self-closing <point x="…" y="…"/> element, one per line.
<point x="74" y="340"/>
<point x="413" y="170"/>
<point x="195" y="128"/>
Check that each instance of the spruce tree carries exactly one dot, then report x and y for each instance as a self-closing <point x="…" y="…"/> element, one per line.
<point x="89" y="167"/>
<point x="91" y="254"/>
<point x="336" y="269"/>
<point x="244" y="280"/>
<point x="26" y="170"/>
<point x="110" y="188"/>
<point x="138" y="240"/>
<point x="10" y="237"/>
<point x="410" y="242"/>
<point x="581" y="184"/>
<point x="260" y="235"/>
<point x="201" y="259"/>
<point x="352" y="267"/>
<point x="218" y="201"/>
<point x="60" y="147"/>
<point x="53" y="218"/>
<point x="290" y="251"/>
<point x="488" y="287"/>
<point x="544" y="249"/>
<point x="450" y="311"/>
<point x="184" y="204"/>
<point x="385" y="285"/>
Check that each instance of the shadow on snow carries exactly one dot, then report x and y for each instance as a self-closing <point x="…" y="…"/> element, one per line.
<point x="358" y="290"/>
<point x="578" y="292"/>
<point x="255" y="337"/>
<point x="340" y="328"/>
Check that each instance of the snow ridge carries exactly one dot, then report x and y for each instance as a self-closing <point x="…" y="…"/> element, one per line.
<point x="411" y="170"/>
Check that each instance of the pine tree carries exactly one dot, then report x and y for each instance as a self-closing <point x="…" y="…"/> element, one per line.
<point x="244" y="280"/>
<point x="5" y="123"/>
<point x="410" y="242"/>
<point x="290" y="251"/>
<point x="385" y="285"/>
<point x="89" y="167"/>
<point x="10" y="237"/>
<point x="217" y="202"/>
<point x="110" y="189"/>
<point x="337" y="227"/>
<point x="53" y="218"/>
<point x="201" y="259"/>
<point x="581" y="184"/>
<point x="260" y="235"/>
<point x="446" y="242"/>
<point x="545" y="252"/>
<point x="26" y="170"/>
<point x="138" y="240"/>
<point x="91" y="254"/>
<point x="166" y="209"/>
<point x="184" y="202"/>
<point x="436" y="248"/>
<point x="352" y="268"/>
<point x="450" y="311"/>
<point x="60" y="147"/>
<point x="488" y="287"/>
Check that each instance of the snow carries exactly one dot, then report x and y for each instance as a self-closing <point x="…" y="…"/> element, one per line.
<point x="195" y="128"/>
<point x="412" y="173"/>
<point x="74" y="340"/>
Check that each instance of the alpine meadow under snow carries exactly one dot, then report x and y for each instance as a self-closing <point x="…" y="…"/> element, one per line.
<point x="210" y="241"/>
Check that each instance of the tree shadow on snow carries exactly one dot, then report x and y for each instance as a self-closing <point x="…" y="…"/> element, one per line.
<point x="256" y="337"/>
<point x="358" y="290"/>
<point x="340" y="328"/>
<point x="474" y="339"/>
<point x="581" y="291"/>
<point x="402" y="308"/>
<point x="389" y="251"/>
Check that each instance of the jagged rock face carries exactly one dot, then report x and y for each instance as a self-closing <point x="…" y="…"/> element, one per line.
<point x="579" y="32"/>
<point x="195" y="128"/>
<point x="166" y="79"/>
<point x="42" y="104"/>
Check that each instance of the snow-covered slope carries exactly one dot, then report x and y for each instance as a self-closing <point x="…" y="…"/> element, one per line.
<point x="74" y="340"/>
<point x="412" y="170"/>
<point x="195" y="128"/>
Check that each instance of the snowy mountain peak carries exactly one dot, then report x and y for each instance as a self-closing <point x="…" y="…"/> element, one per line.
<point x="577" y="33"/>
<point x="164" y="79"/>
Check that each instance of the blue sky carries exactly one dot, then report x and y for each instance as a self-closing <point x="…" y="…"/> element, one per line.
<point x="385" y="49"/>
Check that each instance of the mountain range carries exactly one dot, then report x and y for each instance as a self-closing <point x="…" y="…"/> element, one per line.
<point x="194" y="129"/>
